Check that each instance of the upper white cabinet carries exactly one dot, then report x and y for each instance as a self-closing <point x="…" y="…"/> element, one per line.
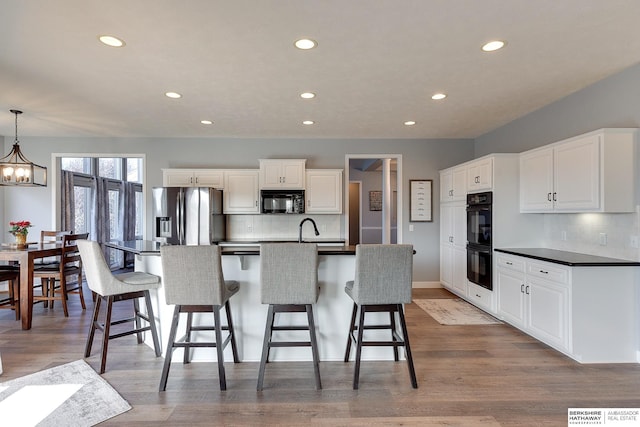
<point x="241" y="194"/>
<point x="480" y="175"/>
<point x="193" y="178"/>
<point x="453" y="184"/>
<point x="588" y="173"/>
<point x="324" y="191"/>
<point x="282" y="173"/>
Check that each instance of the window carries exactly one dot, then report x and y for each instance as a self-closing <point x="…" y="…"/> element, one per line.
<point x="88" y="172"/>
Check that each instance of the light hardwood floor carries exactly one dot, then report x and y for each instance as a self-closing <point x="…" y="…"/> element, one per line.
<point x="490" y="375"/>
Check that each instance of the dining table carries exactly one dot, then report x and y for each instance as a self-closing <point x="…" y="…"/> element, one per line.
<point x="25" y="256"/>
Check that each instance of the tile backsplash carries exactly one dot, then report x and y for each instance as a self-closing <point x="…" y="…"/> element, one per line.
<point x="586" y="232"/>
<point x="260" y="227"/>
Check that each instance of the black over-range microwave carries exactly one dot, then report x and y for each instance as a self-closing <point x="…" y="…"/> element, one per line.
<point x="282" y="201"/>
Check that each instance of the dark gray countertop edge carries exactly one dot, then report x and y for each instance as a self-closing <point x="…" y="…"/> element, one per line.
<point x="572" y="259"/>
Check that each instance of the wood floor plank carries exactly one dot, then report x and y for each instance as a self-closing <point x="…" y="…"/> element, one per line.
<point x="482" y="375"/>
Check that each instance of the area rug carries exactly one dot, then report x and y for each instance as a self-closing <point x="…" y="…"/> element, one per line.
<point x="67" y="395"/>
<point x="448" y="311"/>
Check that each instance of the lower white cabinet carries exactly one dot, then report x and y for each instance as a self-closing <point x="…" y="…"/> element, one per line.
<point x="535" y="296"/>
<point x="453" y="268"/>
<point x="589" y="313"/>
<point x="481" y="297"/>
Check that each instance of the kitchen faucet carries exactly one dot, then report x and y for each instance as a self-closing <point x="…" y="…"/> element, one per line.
<point x="315" y="228"/>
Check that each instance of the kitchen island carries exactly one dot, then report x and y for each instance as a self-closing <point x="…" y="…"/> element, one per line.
<point x="242" y="263"/>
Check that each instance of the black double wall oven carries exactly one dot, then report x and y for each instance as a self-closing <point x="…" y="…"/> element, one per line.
<point x="479" y="246"/>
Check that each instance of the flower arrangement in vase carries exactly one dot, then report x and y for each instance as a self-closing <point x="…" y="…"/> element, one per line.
<point x="20" y="229"/>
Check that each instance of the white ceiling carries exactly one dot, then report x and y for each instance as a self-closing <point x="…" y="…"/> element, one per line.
<point x="376" y="65"/>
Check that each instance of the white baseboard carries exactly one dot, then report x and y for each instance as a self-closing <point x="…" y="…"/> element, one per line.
<point x="424" y="285"/>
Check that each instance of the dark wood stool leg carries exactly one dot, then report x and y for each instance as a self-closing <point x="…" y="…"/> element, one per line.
<point x="265" y="346"/>
<point x="352" y="327"/>
<point x="407" y="347"/>
<point x="152" y="324"/>
<point x="136" y="317"/>
<point x="92" y="329"/>
<point x="234" y="347"/>
<point x="170" y="347"/>
<point x="105" y="334"/>
<point x="187" y="338"/>
<point x="314" y="346"/>
<point x="219" y="347"/>
<point x="356" y="372"/>
<point x="394" y="334"/>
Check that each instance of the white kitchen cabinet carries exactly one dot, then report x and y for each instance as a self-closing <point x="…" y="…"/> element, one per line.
<point x="241" y="194"/>
<point x="482" y="297"/>
<point x="588" y="173"/>
<point x="323" y="191"/>
<point x="453" y="239"/>
<point x="480" y="175"/>
<point x="193" y="178"/>
<point x="282" y="173"/>
<point x="453" y="184"/>
<point x="534" y="296"/>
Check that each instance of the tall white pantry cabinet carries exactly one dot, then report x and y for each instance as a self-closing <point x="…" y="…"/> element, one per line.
<point x="497" y="173"/>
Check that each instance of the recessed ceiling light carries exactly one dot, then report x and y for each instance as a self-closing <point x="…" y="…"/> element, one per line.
<point x="305" y="44"/>
<point x="438" y="96"/>
<point x="111" y="41"/>
<point x="493" y="45"/>
<point x="174" y="95"/>
<point x="307" y="95"/>
<point x="409" y="123"/>
<point x="206" y="122"/>
<point x="308" y="122"/>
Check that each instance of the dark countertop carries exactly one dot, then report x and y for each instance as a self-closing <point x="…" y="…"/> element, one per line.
<point x="572" y="259"/>
<point x="148" y="247"/>
<point x="248" y="242"/>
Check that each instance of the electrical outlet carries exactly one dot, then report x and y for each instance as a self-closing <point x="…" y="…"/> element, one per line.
<point x="633" y="241"/>
<point x="603" y="239"/>
<point x="563" y="235"/>
<point x="249" y="228"/>
<point x="410" y="227"/>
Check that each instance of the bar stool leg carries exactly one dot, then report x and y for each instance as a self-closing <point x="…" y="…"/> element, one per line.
<point x="314" y="346"/>
<point x="265" y="346"/>
<point x="356" y="372"/>
<point x="351" y="329"/>
<point x="105" y="334"/>
<point x="170" y="347"/>
<point x="92" y="329"/>
<point x="234" y="348"/>
<point x="219" y="347"/>
<point x="152" y="324"/>
<point x="407" y="348"/>
<point x="394" y="334"/>
<point x="187" y="338"/>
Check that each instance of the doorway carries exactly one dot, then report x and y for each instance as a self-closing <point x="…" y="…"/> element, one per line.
<point x="378" y="206"/>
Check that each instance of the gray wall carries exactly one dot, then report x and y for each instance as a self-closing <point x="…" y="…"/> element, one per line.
<point x="422" y="159"/>
<point x="612" y="102"/>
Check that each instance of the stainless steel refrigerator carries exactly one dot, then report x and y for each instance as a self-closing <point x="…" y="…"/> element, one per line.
<point x="188" y="215"/>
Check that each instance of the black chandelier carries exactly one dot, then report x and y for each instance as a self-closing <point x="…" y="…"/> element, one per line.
<point x="17" y="170"/>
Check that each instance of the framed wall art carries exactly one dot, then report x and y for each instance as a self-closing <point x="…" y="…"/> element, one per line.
<point x="375" y="200"/>
<point x="421" y="200"/>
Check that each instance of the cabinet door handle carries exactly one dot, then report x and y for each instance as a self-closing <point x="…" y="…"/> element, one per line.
<point x="191" y="180"/>
<point x="549" y="196"/>
<point x="451" y="193"/>
<point x="555" y="198"/>
<point x="451" y="239"/>
<point x="522" y="288"/>
<point x="527" y="290"/>
<point x="256" y="203"/>
<point x="197" y="180"/>
<point x="477" y="180"/>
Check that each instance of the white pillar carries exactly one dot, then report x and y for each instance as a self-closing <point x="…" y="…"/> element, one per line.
<point x="386" y="201"/>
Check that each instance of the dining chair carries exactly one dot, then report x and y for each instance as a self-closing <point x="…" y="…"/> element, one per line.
<point x="11" y="275"/>
<point x="48" y="236"/>
<point x="382" y="283"/>
<point x="289" y="284"/>
<point x="111" y="288"/>
<point x="69" y="265"/>
<point x="194" y="282"/>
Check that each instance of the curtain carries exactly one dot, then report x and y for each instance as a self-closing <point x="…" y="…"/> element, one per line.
<point x="127" y="218"/>
<point x="67" y="200"/>
<point x="100" y="214"/>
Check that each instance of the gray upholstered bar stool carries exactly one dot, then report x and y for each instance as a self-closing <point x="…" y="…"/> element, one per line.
<point x="382" y="284"/>
<point x="289" y="284"/>
<point x="194" y="282"/>
<point x="112" y="288"/>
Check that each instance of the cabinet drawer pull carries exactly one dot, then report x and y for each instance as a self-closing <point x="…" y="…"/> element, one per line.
<point x="478" y="296"/>
<point x="544" y="272"/>
<point x="509" y="263"/>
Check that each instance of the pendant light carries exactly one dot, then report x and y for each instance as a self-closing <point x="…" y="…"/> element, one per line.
<point x="16" y="170"/>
